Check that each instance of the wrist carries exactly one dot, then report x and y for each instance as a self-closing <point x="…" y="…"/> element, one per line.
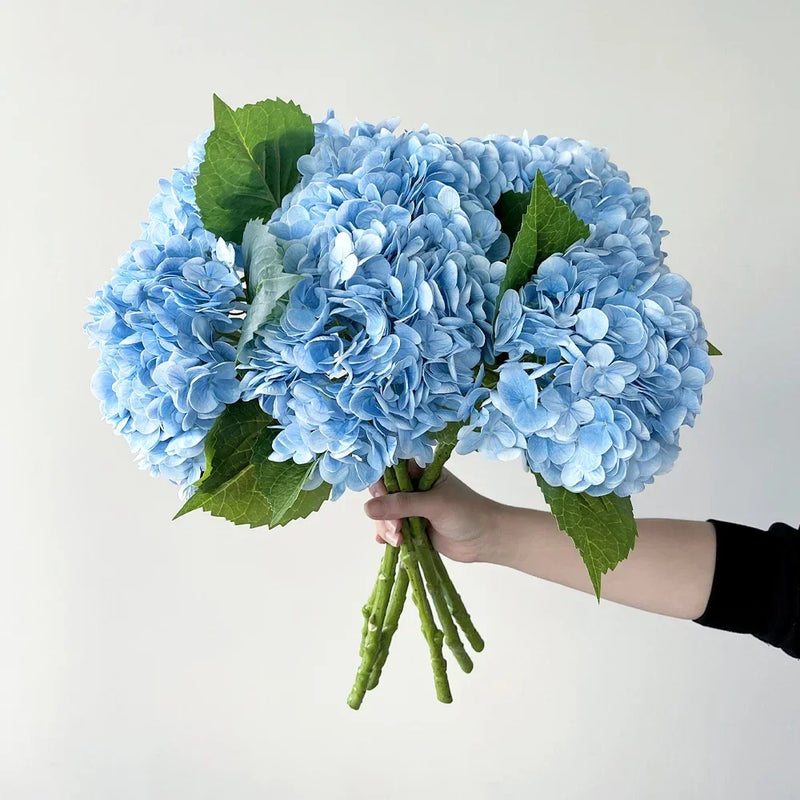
<point x="511" y="534"/>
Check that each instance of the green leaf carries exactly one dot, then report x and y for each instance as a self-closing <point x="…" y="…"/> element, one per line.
<point x="713" y="351"/>
<point x="227" y="487"/>
<point x="510" y="209"/>
<point x="282" y="482"/>
<point x="603" y="528"/>
<point x="250" y="163"/>
<point x="548" y="226"/>
<point x="306" y="503"/>
<point x="241" y="484"/>
<point x="228" y="449"/>
<point x="266" y="280"/>
<point x="261" y="254"/>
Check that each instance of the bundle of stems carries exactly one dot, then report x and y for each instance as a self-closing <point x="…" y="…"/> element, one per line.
<point x="418" y="565"/>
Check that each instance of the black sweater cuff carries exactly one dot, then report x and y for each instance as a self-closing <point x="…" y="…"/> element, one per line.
<point x="756" y="584"/>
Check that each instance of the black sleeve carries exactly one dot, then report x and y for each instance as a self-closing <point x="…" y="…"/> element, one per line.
<point x="756" y="584"/>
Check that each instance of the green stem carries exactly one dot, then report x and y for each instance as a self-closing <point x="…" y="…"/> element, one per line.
<point x="433" y="471"/>
<point x="366" y="611"/>
<point x="424" y="551"/>
<point x="432" y="634"/>
<point x="396" y="603"/>
<point x="456" y="605"/>
<point x="459" y="611"/>
<point x="383" y="587"/>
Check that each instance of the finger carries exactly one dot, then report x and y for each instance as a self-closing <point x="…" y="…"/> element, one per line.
<point x="378" y="488"/>
<point x="392" y="533"/>
<point x="402" y="504"/>
<point x="387" y="531"/>
<point x="382" y="526"/>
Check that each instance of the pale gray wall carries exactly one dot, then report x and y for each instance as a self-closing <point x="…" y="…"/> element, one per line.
<point x="141" y="658"/>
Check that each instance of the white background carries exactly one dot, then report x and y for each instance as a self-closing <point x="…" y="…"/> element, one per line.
<point x="144" y="658"/>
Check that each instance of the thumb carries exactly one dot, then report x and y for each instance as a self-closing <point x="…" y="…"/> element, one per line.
<point x="402" y="504"/>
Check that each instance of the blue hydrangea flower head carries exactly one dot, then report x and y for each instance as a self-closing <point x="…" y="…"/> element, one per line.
<point x="382" y="339"/>
<point x="165" y="325"/>
<point x="602" y="355"/>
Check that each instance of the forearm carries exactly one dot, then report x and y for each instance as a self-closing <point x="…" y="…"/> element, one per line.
<point x="669" y="571"/>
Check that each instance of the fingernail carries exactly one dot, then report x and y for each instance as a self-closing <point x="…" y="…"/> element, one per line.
<point x="373" y="491"/>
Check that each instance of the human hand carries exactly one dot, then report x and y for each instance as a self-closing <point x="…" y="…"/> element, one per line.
<point x="461" y="522"/>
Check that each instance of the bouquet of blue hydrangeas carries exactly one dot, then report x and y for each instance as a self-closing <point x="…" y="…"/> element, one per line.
<point x="308" y="310"/>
